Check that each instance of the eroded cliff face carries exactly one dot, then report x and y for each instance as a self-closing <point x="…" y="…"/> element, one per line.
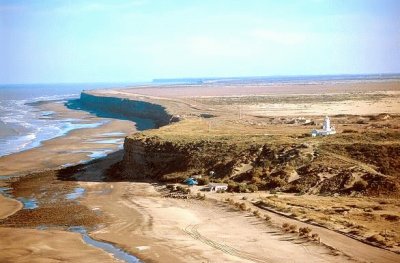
<point x="127" y="108"/>
<point x="165" y="160"/>
<point x="152" y="157"/>
<point x="298" y="168"/>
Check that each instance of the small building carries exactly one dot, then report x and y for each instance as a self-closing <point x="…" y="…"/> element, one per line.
<point x="217" y="187"/>
<point x="327" y="129"/>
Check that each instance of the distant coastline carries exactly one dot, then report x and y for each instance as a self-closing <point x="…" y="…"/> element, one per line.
<point x="300" y="79"/>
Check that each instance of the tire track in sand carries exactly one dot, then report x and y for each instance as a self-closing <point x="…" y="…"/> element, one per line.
<point x="192" y="231"/>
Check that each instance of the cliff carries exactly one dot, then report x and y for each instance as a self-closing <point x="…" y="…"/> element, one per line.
<point x="156" y="158"/>
<point x="247" y="166"/>
<point x="246" y="159"/>
<point x="124" y="108"/>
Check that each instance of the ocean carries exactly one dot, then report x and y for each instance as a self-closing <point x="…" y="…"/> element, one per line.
<point x="24" y="126"/>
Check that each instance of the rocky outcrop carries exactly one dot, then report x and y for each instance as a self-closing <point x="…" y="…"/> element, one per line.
<point x="125" y="108"/>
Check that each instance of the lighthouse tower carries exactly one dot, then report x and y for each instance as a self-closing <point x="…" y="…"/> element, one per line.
<point x="327" y="124"/>
<point x="327" y="129"/>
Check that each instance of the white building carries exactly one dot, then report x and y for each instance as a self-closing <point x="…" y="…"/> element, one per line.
<point x="217" y="187"/>
<point x="327" y="129"/>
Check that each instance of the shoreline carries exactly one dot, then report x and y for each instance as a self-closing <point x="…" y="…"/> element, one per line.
<point x="74" y="147"/>
<point x="102" y="138"/>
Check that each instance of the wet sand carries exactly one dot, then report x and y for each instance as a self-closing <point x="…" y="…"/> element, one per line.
<point x="31" y="245"/>
<point x="8" y="206"/>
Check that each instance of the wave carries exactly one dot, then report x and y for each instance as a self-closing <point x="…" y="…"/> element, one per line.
<point x="23" y="125"/>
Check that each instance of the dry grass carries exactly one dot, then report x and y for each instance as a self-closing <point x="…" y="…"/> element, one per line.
<point x="362" y="217"/>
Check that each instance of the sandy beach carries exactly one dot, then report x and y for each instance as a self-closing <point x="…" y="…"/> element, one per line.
<point x="72" y="148"/>
<point x="32" y="245"/>
<point x="197" y="231"/>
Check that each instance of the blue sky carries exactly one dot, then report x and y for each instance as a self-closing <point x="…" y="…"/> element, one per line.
<point x="44" y="41"/>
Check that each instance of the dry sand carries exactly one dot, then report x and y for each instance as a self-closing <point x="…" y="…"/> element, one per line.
<point x="170" y="230"/>
<point x="353" y="248"/>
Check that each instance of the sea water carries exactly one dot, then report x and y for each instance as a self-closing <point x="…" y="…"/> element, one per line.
<point x="118" y="253"/>
<point x="24" y="126"/>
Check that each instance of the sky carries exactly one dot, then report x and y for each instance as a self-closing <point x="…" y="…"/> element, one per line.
<point x="58" y="41"/>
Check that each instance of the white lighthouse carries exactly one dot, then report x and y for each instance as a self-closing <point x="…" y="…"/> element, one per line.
<point x="326" y="128"/>
<point x="327" y="124"/>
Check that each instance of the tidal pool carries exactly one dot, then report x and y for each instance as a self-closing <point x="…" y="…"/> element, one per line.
<point x="115" y="251"/>
<point x="78" y="192"/>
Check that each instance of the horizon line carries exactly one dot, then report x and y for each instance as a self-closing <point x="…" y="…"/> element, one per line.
<point x="202" y="78"/>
